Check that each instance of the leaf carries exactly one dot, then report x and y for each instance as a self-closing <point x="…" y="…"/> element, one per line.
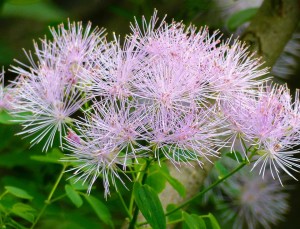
<point x="175" y="215"/>
<point x="221" y="169"/>
<point x="6" y="118"/>
<point x="54" y="156"/>
<point x="73" y="196"/>
<point x="18" y="192"/>
<point x="150" y="205"/>
<point x="77" y="185"/>
<point x="100" y="209"/>
<point x="11" y="119"/>
<point x="156" y="181"/>
<point x="236" y="156"/>
<point x="240" y="17"/>
<point x="15" y="224"/>
<point x="193" y="221"/>
<point x="173" y="182"/>
<point x="213" y="223"/>
<point x="24" y="211"/>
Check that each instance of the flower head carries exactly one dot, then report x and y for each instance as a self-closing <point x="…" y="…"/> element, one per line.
<point x="194" y="136"/>
<point x="108" y="137"/>
<point x="46" y="90"/>
<point x="113" y="70"/>
<point x="270" y="123"/>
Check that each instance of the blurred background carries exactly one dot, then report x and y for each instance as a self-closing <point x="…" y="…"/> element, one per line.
<point x="22" y="21"/>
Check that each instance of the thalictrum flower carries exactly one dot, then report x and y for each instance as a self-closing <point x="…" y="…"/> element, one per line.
<point x="45" y="89"/>
<point x="195" y="136"/>
<point x="270" y="123"/>
<point x="108" y="137"/>
<point x="113" y="69"/>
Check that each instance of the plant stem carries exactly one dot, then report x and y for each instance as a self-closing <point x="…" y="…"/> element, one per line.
<point x="3" y="194"/>
<point x="208" y="188"/>
<point x="58" y="198"/>
<point x="204" y="191"/>
<point x="48" y="201"/>
<point x="143" y="180"/>
<point x="124" y="205"/>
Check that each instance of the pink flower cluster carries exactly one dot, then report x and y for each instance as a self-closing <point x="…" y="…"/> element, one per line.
<point x="168" y="91"/>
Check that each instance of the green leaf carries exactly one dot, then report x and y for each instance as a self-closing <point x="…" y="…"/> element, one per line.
<point x="150" y="205"/>
<point x="9" y="119"/>
<point x="78" y="185"/>
<point x="236" y="156"/>
<point x="175" y="215"/>
<point x="18" y="192"/>
<point x="24" y="211"/>
<point x="15" y="224"/>
<point x="213" y="223"/>
<point x="156" y="181"/>
<point x="73" y="196"/>
<point x="6" y="118"/>
<point x="221" y="169"/>
<point x="54" y="156"/>
<point x="193" y="221"/>
<point x="100" y="209"/>
<point x="173" y="182"/>
<point x="240" y="17"/>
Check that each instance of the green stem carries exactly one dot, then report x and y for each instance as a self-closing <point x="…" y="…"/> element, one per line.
<point x="48" y="200"/>
<point x="175" y="221"/>
<point x="3" y="194"/>
<point x="58" y="198"/>
<point x="208" y="188"/>
<point x="143" y="180"/>
<point x="204" y="191"/>
<point x="124" y="205"/>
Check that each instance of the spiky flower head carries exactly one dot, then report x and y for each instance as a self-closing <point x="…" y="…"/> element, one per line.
<point x="45" y="89"/>
<point x="111" y="73"/>
<point x="195" y="136"/>
<point x="108" y="137"/>
<point x="215" y="69"/>
<point x="269" y="122"/>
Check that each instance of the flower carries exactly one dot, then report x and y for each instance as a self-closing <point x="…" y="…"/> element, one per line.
<point x="76" y="47"/>
<point x="112" y="71"/>
<point x="48" y="104"/>
<point x="185" y="65"/>
<point x="195" y="136"/>
<point x="233" y="70"/>
<point x="176" y="63"/>
<point x="46" y="90"/>
<point x="107" y="138"/>
<point x="270" y="123"/>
